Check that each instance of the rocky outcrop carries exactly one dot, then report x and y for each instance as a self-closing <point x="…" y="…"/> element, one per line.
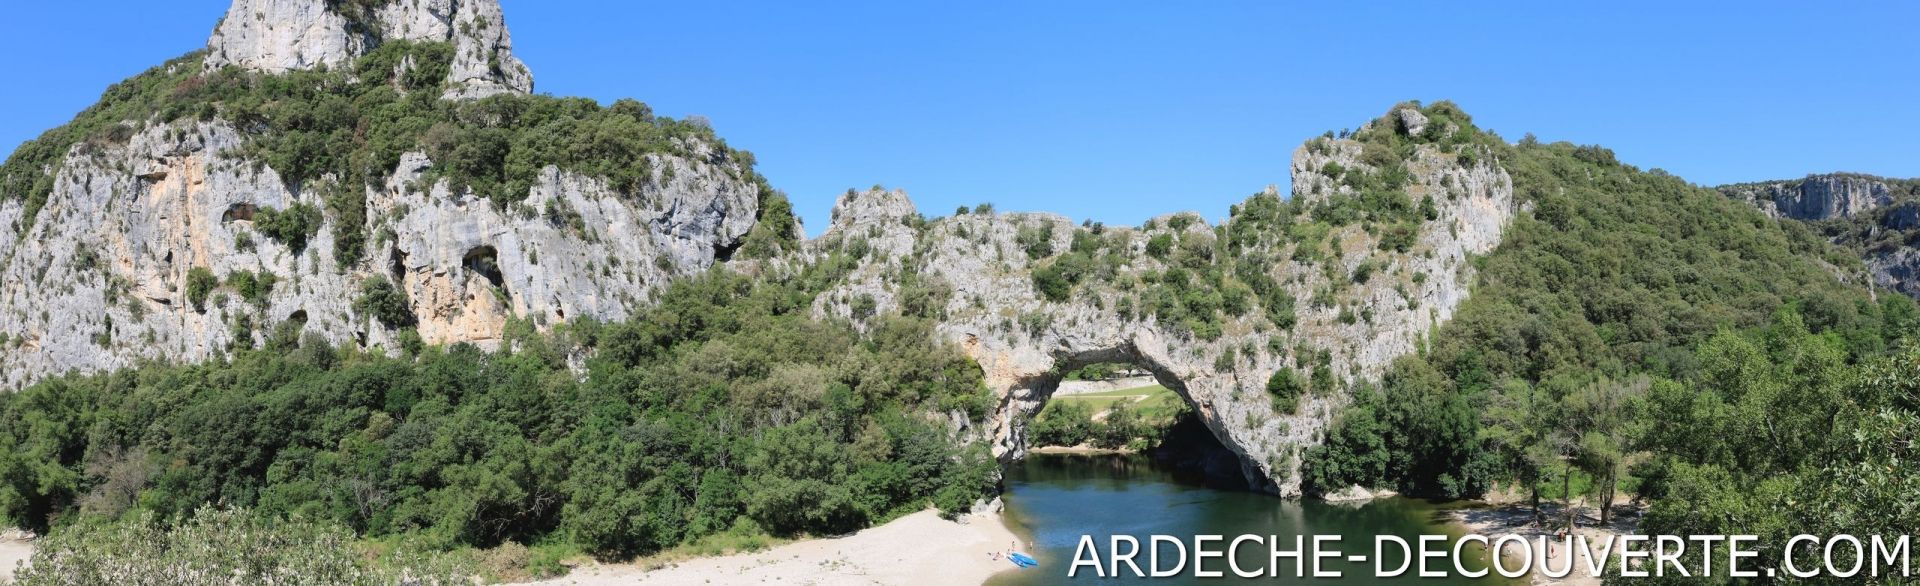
<point x="148" y="246"/>
<point x="276" y="36"/>
<point x="1817" y="197"/>
<point x="978" y="269"/>
<point x="1877" y="217"/>
<point x="102" y="278"/>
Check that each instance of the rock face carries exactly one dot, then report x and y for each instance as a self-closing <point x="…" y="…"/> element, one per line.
<point x="276" y="36"/>
<point x="1878" y="217"/>
<point x="979" y="271"/>
<point x="147" y="247"/>
<point x="1816" y="198"/>
<point x="100" y="280"/>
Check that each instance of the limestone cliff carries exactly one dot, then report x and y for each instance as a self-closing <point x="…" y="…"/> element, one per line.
<point x="1877" y="217"/>
<point x="276" y="36"/>
<point x="144" y="239"/>
<point x="101" y="279"/>
<point x="1359" y="306"/>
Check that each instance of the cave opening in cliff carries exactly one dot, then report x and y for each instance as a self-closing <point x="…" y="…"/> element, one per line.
<point x="485" y="261"/>
<point x="1113" y="404"/>
<point x="239" y="212"/>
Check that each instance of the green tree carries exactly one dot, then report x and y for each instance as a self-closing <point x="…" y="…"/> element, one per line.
<point x="200" y="282"/>
<point x="1284" y="389"/>
<point x="381" y="300"/>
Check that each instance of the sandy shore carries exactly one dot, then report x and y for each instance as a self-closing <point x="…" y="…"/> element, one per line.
<point x="920" y="548"/>
<point x="1517" y="519"/>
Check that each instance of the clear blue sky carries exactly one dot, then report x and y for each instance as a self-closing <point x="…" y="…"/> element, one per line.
<point x="1122" y="110"/>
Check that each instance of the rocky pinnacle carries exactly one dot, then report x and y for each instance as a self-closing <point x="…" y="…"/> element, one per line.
<point x="276" y="36"/>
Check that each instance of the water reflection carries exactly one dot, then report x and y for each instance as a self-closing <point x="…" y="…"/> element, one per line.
<point x="1054" y="499"/>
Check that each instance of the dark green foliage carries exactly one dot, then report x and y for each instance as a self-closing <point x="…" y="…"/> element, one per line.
<point x="200" y="282"/>
<point x="1036" y="239"/>
<point x="1285" y="389"/>
<point x="724" y="406"/>
<point x="1620" y="285"/>
<point x="775" y="229"/>
<point x="1056" y="280"/>
<point x="292" y="226"/>
<point x="1159" y="245"/>
<point x="1778" y="436"/>
<point x="1071" y="423"/>
<point x="1063" y="423"/>
<point x="1097" y="371"/>
<point x="380" y="299"/>
<point x="1415" y="433"/>
<point x="251" y="286"/>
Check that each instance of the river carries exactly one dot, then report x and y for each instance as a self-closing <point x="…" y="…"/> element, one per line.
<point x="1053" y="499"/>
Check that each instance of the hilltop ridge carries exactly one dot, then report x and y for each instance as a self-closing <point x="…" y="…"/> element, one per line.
<point x="277" y="36"/>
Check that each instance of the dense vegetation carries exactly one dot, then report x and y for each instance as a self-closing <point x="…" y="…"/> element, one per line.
<point x="227" y="546"/>
<point x="724" y="410"/>
<point x="334" y="132"/>
<point x="1126" y="419"/>
<point x="1637" y="333"/>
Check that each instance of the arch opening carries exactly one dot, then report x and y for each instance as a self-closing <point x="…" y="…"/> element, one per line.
<point x="1115" y="401"/>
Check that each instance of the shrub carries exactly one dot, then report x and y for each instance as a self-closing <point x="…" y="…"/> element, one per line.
<point x="200" y="282"/>
<point x="221" y="546"/>
<point x="251" y="286"/>
<point x="1160" y="245"/>
<point x="291" y="227"/>
<point x="1036" y="240"/>
<point x="380" y="299"/>
<point x="864" y="306"/>
<point x="1284" y="388"/>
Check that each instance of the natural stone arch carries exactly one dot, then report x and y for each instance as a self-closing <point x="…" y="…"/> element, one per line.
<point x="1022" y="338"/>
<point x="1031" y="395"/>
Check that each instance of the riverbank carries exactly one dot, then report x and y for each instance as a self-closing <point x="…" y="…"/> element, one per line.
<point x="921" y="548"/>
<point x="1498" y="520"/>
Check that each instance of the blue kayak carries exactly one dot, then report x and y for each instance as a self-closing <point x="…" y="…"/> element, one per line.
<point x="1022" y="560"/>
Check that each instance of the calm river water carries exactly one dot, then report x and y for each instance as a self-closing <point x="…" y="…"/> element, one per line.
<point x="1054" y="499"/>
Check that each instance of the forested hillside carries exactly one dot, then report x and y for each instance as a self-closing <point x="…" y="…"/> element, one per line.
<point x="1638" y="334"/>
<point x="723" y="410"/>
